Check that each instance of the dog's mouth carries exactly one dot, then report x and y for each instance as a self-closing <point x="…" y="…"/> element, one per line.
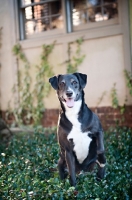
<point x="69" y="102"/>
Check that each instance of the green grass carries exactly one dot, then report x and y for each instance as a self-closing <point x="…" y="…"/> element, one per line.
<point x="28" y="170"/>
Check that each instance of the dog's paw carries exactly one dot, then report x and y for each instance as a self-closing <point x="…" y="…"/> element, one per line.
<point x="75" y="193"/>
<point x="100" y="173"/>
<point x="66" y="173"/>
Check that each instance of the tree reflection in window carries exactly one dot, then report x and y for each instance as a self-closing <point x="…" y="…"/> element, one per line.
<point x="87" y="11"/>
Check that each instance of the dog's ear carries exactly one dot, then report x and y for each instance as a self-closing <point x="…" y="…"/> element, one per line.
<point x="54" y="81"/>
<point x="82" y="79"/>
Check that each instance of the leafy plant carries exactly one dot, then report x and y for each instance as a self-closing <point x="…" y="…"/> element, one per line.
<point x="128" y="76"/>
<point x="114" y="97"/>
<point x="77" y="59"/>
<point x="28" y="169"/>
<point x="27" y="110"/>
<point x="25" y="105"/>
<point x="30" y="109"/>
<point x="42" y="87"/>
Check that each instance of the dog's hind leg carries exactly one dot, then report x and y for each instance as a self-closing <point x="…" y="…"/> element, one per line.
<point x="70" y="160"/>
<point x="101" y="161"/>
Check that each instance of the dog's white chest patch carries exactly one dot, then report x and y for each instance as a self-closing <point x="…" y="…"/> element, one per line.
<point x="81" y="140"/>
<point x="81" y="143"/>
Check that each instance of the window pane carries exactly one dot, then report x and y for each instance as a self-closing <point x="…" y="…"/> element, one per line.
<point x="111" y="11"/>
<point x="92" y="3"/>
<point x="86" y="11"/>
<point x="43" y="17"/>
<point x="79" y="17"/>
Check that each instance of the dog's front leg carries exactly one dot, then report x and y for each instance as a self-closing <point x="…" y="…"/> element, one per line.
<point x="100" y="142"/>
<point x="70" y="160"/>
<point x="101" y="161"/>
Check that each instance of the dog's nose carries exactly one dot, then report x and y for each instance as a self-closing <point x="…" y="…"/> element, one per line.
<point x="69" y="93"/>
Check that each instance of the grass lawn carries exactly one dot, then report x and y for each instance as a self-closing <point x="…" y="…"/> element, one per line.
<point x="28" y="169"/>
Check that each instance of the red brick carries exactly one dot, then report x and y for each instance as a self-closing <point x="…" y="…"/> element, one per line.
<point x="107" y="115"/>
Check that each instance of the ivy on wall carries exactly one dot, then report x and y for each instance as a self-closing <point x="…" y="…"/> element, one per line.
<point x="77" y="58"/>
<point x="128" y="76"/>
<point x="31" y="109"/>
<point x="31" y="105"/>
<point x="114" y="97"/>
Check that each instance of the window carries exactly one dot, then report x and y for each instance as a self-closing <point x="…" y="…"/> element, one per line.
<point x="40" y="16"/>
<point x="44" y="16"/>
<point x="89" y="12"/>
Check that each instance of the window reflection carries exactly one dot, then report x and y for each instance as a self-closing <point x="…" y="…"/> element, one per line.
<point x="86" y="11"/>
<point x="40" y="16"/>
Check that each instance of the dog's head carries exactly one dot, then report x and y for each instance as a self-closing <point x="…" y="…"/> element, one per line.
<point x="69" y="87"/>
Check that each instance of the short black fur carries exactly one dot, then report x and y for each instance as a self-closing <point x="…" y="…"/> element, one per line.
<point x="68" y="162"/>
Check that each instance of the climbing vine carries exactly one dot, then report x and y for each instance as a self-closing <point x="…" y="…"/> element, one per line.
<point x="115" y="101"/>
<point x="75" y="60"/>
<point x="31" y="99"/>
<point x="24" y="110"/>
<point x="128" y="76"/>
<point x="31" y="104"/>
<point x="114" y="97"/>
<point x="42" y="87"/>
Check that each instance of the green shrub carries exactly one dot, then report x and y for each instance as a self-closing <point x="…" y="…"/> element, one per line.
<point x="28" y="170"/>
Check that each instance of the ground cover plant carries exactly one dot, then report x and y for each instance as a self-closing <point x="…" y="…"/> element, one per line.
<point x="28" y="169"/>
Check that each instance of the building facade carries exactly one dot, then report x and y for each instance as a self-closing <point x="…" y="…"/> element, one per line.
<point x="104" y="25"/>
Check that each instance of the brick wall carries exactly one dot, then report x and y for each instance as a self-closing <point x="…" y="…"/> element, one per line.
<point x="108" y="117"/>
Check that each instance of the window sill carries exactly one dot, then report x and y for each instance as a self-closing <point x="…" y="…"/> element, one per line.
<point x="60" y="38"/>
<point x="45" y="34"/>
<point x="96" y="24"/>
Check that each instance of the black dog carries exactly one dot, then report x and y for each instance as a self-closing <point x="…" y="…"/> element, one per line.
<point x="80" y="134"/>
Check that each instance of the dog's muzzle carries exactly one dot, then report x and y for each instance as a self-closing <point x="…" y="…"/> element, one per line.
<point x="69" y="102"/>
<point x="69" y="99"/>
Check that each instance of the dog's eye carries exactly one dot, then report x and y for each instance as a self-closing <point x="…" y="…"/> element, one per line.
<point x="74" y="82"/>
<point x="62" y="84"/>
